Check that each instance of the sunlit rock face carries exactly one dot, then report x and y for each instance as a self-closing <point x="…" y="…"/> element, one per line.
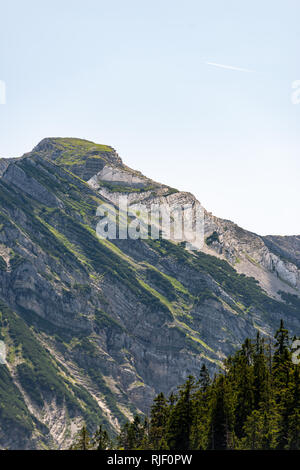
<point x="273" y="261"/>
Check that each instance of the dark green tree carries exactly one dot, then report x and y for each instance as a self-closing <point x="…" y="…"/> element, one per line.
<point x="158" y="421"/>
<point x="101" y="439"/>
<point x="282" y="376"/>
<point x="180" y="419"/>
<point x="82" y="440"/>
<point x="222" y="415"/>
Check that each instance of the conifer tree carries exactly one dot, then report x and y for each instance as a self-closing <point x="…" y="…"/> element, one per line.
<point x="201" y="414"/>
<point x="244" y="385"/>
<point x="180" y="419"/>
<point x="281" y="373"/>
<point x="82" y="440"/>
<point x="262" y="379"/>
<point x="100" y="439"/>
<point x="158" y="421"/>
<point x="222" y="415"/>
<point x="123" y="438"/>
<point x="204" y="379"/>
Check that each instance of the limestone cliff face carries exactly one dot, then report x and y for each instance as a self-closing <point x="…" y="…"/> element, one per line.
<point x="273" y="261"/>
<point x="254" y="256"/>
<point x="95" y="328"/>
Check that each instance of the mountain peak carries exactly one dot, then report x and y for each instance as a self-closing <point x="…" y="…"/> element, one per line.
<point x="83" y="157"/>
<point x="69" y="142"/>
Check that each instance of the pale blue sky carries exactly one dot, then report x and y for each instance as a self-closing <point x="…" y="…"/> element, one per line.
<point x="134" y="74"/>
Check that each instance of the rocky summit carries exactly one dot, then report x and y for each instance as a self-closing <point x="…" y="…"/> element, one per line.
<point x="93" y="329"/>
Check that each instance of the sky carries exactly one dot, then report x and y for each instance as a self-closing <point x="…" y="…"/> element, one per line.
<point x="197" y="95"/>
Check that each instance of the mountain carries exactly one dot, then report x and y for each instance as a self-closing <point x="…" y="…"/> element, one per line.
<point x="95" y="328"/>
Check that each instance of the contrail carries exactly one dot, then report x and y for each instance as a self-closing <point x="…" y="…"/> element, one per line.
<point x="230" y="67"/>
